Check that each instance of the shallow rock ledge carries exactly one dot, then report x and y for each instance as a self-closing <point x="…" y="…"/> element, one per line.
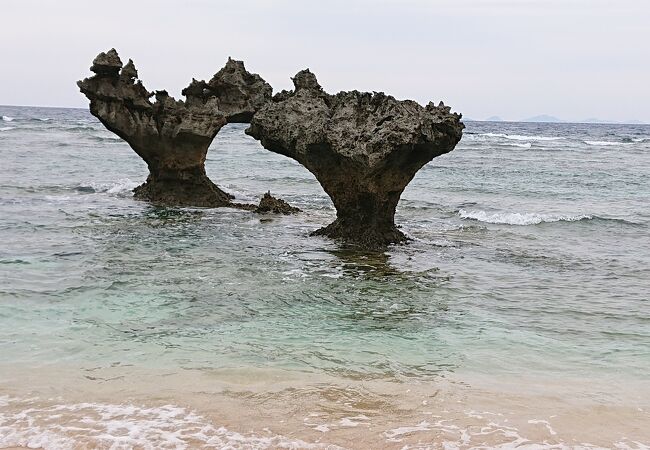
<point x="364" y="148"/>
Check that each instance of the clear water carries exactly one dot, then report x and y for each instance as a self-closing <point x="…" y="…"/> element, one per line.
<point x="530" y="257"/>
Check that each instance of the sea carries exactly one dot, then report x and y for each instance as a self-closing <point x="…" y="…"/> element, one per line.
<point x="518" y="316"/>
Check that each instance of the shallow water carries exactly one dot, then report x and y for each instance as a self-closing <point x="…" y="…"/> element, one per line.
<point x="527" y="276"/>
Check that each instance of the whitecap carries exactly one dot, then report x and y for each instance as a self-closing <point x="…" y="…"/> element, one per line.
<point x="121" y="186"/>
<point x="525" y="145"/>
<point x="520" y="137"/>
<point x="516" y="218"/>
<point x="606" y="143"/>
<point x="7" y="128"/>
<point x="109" y="137"/>
<point x="7" y="119"/>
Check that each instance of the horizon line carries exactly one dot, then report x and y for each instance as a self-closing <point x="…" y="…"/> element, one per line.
<point x="467" y="119"/>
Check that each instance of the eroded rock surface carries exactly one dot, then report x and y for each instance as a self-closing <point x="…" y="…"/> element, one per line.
<point x="172" y="136"/>
<point x="239" y="93"/>
<point x="363" y="148"/>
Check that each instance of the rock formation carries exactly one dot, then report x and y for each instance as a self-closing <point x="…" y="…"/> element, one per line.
<point x="363" y="148"/>
<point x="239" y="93"/>
<point x="270" y="204"/>
<point x="173" y="136"/>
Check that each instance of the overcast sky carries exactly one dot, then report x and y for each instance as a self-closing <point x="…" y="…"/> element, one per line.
<point x="574" y="59"/>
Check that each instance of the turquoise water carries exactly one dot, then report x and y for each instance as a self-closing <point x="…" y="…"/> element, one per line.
<point x="530" y="259"/>
<point x="531" y="253"/>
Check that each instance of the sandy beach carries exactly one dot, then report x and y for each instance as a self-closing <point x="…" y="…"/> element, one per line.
<point x="274" y="408"/>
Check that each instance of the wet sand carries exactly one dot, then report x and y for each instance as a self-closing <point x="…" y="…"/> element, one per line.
<point x="87" y="407"/>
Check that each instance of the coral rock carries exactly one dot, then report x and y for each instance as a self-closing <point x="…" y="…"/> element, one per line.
<point x="363" y="148"/>
<point x="171" y="136"/>
<point x="239" y="93"/>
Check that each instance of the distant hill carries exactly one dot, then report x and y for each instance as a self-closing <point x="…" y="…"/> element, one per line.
<point x="542" y="118"/>
<point x="545" y="118"/>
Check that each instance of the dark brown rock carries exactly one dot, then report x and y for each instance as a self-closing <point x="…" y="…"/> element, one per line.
<point x="363" y="148"/>
<point x="269" y="204"/>
<point x="172" y="136"/>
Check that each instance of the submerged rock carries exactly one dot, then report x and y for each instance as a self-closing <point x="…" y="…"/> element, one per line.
<point x="270" y="204"/>
<point x="172" y="136"/>
<point x="363" y="148"/>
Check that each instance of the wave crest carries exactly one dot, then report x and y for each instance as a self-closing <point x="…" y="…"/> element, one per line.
<point x="521" y="137"/>
<point x="515" y="218"/>
<point x="606" y="143"/>
<point x="7" y="119"/>
<point x="524" y="145"/>
<point x="122" y="186"/>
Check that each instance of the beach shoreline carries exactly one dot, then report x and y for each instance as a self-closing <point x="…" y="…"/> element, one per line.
<point x="272" y="407"/>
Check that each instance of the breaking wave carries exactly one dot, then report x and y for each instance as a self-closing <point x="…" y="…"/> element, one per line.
<point x="7" y="128"/>
<point x="80" y="128"/>
<point x="525" y="145"/>
<point x="107" y="138"/>
<point x="519" y="137"/>
<point x="7" y="119"/>
<point x="607" y="143"/>
<point x="99" y="425"/>
<point x="122" y="186"/>
<point x="514" y="218"/>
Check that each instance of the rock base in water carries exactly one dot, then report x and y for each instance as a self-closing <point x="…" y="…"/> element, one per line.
<point x="191" y="191"/>
<point x="362" y="235"/>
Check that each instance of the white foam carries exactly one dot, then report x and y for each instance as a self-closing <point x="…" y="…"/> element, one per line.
<point x="515" y="218"/>
<point x="520" y="137"/>
<point x="606" y="143"/>
<point x="545" y="423"/>
<point x="96" y="425"/>
<point x="397" y="434"/>
<point x="7" y="128"/>
<point x="122" y="186"/>
<point x="354" y="421"/>
<point x="526" y="145"/>
<point x="109" y="136"/>
<point x="7" y="119"/>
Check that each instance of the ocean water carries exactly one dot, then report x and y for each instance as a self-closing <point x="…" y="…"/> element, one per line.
<point x="517" y="317"/>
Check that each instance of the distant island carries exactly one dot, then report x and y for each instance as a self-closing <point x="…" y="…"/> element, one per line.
<point x="545" y="118"/>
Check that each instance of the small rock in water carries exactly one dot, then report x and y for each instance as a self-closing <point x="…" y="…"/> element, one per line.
<point x="269" y="204"/>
